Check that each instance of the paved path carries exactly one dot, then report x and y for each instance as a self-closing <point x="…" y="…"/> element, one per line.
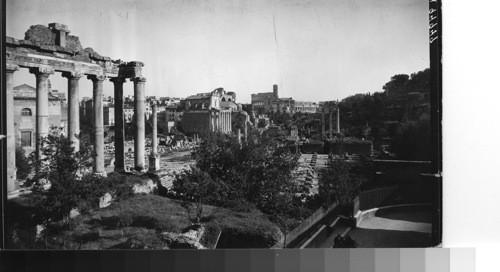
<point x="394" y="229"/>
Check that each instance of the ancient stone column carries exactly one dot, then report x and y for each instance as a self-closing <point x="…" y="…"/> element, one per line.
<point x="73" y="108"/>
<point x="98" y="124"/>
<point x="140" y="122"/>
<point x="210" y="121"/>
<point x="245" y="131"/>
<point x="154" y="158"/>
<point x="338" y="120"/>
<point x="42" y="105"/>
<point x="119" y="124"/>
<point x="323" y="122"/>
<point x="226" y="123"/>
<point x="331" y="123"/>
<point x="12" y="183"/>
<point x="239" y="136"/>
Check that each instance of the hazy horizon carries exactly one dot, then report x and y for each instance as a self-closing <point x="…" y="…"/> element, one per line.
<point x="329" y="49"/>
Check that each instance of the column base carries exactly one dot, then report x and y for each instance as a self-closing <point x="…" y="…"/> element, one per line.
<point x="101" y="174"/>
<point x="154" y="164"/>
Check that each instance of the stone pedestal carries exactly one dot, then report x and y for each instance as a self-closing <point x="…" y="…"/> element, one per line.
<point x="154" y="163"/>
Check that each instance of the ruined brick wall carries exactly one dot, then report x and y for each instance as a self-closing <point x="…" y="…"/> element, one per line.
<point x="195" y="122"/>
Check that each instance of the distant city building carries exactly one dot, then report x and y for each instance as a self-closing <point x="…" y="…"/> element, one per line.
<point x="208" y="112"/>
<point x="170" y="117"/>
<point x="306" y="107"/>
<point x="25" y="115"/>
<point x="271" y="103"/>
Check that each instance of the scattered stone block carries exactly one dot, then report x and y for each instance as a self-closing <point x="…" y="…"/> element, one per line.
<point x="105" y="200"/>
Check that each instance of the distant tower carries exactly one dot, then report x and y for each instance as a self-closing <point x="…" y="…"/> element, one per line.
<point x="275" y="90"/>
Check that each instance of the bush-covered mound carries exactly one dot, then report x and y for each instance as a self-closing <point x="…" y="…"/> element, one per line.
<point x="141" y="222"/>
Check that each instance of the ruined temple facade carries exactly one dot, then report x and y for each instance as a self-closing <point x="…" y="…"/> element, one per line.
<point x="210" y="111"/>
<point x="50" y="51"/>
<point x="330" y="108"/>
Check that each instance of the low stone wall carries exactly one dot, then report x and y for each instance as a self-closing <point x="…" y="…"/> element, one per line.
<point x="395" y="195"/>
<point x="310" y="225"/>
<point x="373" y="198"/>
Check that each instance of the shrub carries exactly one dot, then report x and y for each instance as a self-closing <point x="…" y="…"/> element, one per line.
<point x="22" y="163"/>
<point x="344" y="242"/>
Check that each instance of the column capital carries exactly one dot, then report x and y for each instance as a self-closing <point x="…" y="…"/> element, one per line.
<point x="96" y="78"/>
<point x="11" y="68"/>
<point x="138" y="79"/>
<point x="42" y="71"/>
<point x="117" y="80"/>
<point x="72" y="75"/>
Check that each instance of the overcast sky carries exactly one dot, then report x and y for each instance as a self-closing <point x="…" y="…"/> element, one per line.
<point x="315" y="50"/>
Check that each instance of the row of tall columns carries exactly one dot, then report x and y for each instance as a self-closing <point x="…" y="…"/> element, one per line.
<point x="42" y="118"/>
<point x="323" y="122"/>
<point x="140" y="123"/>
<point x="12" y="185"/>
<point x="226" y="122"/>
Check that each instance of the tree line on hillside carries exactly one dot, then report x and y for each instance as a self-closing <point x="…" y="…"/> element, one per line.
<point x="399" y="115"/>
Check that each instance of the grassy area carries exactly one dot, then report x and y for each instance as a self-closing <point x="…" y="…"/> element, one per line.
<point x="139" y="222"/>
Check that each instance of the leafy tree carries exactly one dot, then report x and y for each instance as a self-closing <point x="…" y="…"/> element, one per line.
<point x="285" y="205"/>
<point x="196" y="187"/>
<point x="413" y="140"/>
<point x="60" y="168"/>
<point x="344" y="242"/>
<point x="22" y="163"/>
<point x="256" y="172"/>
<point x="337" y="185"/>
